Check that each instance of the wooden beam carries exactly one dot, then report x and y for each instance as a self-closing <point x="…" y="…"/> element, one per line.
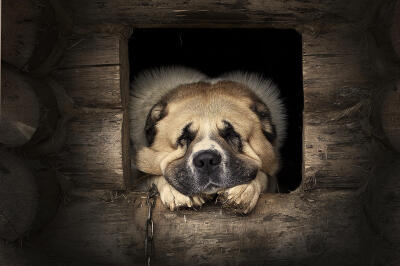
<point x="96" y="86"/>
<point x="302" y="229"/>
<point x="95" y="73"/>
<point x="92" y="49"/>
<point x="92" y="153"/>
<point x="164" y="13"/>
<point x="337" y="145"/>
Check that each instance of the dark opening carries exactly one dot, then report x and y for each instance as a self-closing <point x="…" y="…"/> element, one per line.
<point x="276" y="54"/>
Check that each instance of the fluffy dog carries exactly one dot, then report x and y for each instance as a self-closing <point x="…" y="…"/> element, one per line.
<point x="198" y="136"/>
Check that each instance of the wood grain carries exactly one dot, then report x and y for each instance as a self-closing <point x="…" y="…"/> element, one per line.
<point x="91" y="49"/>
<point x="96" y="76"/>
<point x="20" y="108"/>
<point x="92" y="154"/>
<point x="96" y="86"/>
<point x="390" y="116"/>
<point x="274" y="13"/>
<point x="301" y="229"/>
<point x="19" y="31"/>
<point x="19" y="197"/>
<point x="383" y="211"/>
<point x="337" y="89"/>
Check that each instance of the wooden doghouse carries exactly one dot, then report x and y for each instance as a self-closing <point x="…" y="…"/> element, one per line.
<point x="74" y="148"/>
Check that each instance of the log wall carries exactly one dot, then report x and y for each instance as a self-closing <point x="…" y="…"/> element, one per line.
<point x="297" y="230"/>
<point x="337" y="81"/>
<point x="324" y="222"/>
<point x="95" y="74"/>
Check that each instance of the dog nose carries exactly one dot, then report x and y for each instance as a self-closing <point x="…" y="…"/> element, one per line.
<point x="207" y="160"/>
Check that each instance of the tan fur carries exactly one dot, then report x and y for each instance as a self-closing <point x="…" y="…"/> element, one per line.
<point x="206" y="105"/>
<point x="171" y="198"/>
<point x="243" y="198"/>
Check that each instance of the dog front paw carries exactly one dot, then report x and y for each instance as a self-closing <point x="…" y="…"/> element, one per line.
<point x="173" y="199"/>
<point x="243" y="198"/>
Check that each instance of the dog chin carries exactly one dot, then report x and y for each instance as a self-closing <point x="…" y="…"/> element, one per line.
<point x="211" y="188"/>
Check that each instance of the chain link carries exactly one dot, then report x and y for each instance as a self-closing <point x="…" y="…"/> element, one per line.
<point x="148" y="239"/>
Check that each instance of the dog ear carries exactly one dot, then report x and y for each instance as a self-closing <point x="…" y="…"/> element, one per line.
<point x="264" y="115"/>
<point x="157" y="112"/>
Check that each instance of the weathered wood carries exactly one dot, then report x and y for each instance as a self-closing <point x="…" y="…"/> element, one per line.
<point x="395" y="30"/>
<point x="390" y="116"/>
<point x="20" y="108"/>
<point x="20" y="22"/>
<point x="291" y="13"/>
<point x="89" y="50"/>
<point x="337" y="88"/>
<point x="97" y="86"/>
<point x="302" y="229"/>
<point x="18" y="197"/>
<point x="125" y="87"/>
<point x="31" y="38"/>
<point x="54" y="143"/>
<point x="383" y="211"/>
<point x="95" y="74"/>
<point x="92" y="154"/>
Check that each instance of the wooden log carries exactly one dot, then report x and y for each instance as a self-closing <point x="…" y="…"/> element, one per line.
<point x="20" y="22"/>
<point x="92" y="49"/>
<point x="31" y="38"/>
<point x="395" y="29"/>
<point x="18" y="197"/>
<point x="92" y="86"/>
<point x="29" y="196"/>
<point x="337" y="90"/>
<point x="303" y="229"/>
<point x="20" y="108"/>
<point x="16" y="254"/>
<point x="96" y="76"/>
<point x="383" y="211"/>
<point x="54" y="142"/>
<point x="390" y="116"/>
<point x="9" y="255"/>
<point x="291" y="14"/>
<point x="92" y="154"/>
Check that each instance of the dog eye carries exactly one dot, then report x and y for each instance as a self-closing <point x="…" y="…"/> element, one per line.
<point x="229" y="134"/>
<point x="186" y="137"/>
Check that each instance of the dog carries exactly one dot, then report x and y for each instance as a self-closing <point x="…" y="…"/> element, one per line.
<point x="199" y="136"/>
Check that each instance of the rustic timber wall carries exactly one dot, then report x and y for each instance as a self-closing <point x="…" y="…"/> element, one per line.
<point x="95" y="73"/>
<point x="331" y="219"/>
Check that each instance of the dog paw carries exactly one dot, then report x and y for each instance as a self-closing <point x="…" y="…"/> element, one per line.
<point x="173" y="199"/>
<point x="243" y="198"/>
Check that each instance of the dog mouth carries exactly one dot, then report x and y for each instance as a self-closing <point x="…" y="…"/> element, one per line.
<point x="211" y="188"/>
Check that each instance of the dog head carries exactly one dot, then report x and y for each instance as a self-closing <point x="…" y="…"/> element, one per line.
<point x="207" y="136"/>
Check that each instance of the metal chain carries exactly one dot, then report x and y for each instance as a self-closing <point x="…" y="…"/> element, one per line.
<point x="148" y="239"/>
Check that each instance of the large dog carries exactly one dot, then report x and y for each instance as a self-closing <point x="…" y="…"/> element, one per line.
<point x="199" y="136"/>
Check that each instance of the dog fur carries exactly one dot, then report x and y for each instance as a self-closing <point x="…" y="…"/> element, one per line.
<point x="178" y="114"/>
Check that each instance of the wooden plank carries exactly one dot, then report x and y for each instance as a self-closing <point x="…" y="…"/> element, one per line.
<point x="97" y="86"/>
<point x="337" y="146"/>
<point x="301" y="229"/>
<point x="92" y="49"/>
<point x="125" y="87"/>
<point x="95" y="73"/>
<point x="92" y="154"/>
<point x="290" y="13"/>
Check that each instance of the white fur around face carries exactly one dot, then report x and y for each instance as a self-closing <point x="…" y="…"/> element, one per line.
<point x="149" y="87"/>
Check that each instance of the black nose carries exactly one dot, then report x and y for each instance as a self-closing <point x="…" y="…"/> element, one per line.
<point x="207" y="160"/>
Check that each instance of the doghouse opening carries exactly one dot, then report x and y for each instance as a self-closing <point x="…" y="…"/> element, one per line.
<point x="276" y="54"/>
